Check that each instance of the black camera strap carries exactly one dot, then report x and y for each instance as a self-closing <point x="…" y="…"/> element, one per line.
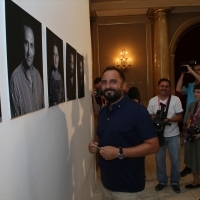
<point x="167" y="108"/>
<point x="166" y="111"/>
<point x="161" y="137"/>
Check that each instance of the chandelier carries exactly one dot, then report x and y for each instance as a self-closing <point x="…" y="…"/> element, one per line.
<point x="124" y="62"/>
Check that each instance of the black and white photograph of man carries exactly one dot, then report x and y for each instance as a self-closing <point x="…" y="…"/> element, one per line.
<point x="24" y="56"/>
<point x="80" y="76"/>
<point x="71" y="72"/>
<point x="0" y="111"/>
<point x="55" y="69"/>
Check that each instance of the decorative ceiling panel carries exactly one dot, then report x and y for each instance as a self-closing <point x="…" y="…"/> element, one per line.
<point x="123" y="12"/>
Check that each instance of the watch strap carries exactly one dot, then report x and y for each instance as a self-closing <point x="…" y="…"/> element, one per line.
<point x="120" y="155"/>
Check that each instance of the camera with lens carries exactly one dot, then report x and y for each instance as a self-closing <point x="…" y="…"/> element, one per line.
<point x="192" y="131"/>
<point x="159" y="123"/>
<point x="183" y="67"/>
<point x="99" y="92"/>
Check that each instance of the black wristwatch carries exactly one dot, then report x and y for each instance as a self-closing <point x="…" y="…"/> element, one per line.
<point x="120" y="155"/>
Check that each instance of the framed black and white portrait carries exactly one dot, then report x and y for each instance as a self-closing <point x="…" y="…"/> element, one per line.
<point x="70" y="72"/>
<point x="80" y="75"/>
<point x="24" y="58"/>
<point x="0" y="111"/>
<point x="55" y="69"/>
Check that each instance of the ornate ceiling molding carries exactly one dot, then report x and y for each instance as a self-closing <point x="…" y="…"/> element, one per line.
<point x="127" y="4"/>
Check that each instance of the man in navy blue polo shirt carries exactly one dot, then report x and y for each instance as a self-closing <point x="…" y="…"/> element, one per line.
<point x="125" y="135"/>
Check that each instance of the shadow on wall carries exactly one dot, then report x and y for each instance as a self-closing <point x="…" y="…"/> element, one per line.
<point x="49" y="172"/>
<point x="79" y="154"/>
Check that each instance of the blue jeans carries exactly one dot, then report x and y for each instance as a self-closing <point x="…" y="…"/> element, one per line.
<point x="173" y="145"/>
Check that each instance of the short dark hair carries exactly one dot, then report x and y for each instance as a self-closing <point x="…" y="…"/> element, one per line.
<point x="25" y="22"/>
<point x="197" y="64"/>
<point x="121" y="74"/>
<point x="97" y="80"/>
<point x="164" y="79"/>
<point x="133" y="93"/>
<point x="197" y="86"/>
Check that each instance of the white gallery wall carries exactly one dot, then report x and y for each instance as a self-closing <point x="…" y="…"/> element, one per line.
<point x="44" y="155"/>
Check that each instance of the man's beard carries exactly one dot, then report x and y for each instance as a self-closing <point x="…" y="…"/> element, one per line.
<point x="111" y="98"/>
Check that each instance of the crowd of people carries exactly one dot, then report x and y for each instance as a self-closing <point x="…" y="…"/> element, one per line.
<point x="122" y="141"/>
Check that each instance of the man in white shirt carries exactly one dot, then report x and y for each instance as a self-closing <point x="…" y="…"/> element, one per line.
<point x="171" y="135"/>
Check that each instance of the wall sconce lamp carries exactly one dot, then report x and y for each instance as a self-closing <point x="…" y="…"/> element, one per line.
<point x="124" y="63"/>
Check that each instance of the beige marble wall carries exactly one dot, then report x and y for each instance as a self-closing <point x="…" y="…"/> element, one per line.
<point x="132" y="34"/>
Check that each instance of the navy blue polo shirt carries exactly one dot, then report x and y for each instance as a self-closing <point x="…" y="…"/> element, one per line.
<point x="127" y="124"/>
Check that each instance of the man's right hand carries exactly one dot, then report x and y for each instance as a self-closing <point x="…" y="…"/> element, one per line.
<point x="190" y="70"/>
<point x="93" y="147"/>
<point x="153" y="116"/>
<point x="94" y="93"/>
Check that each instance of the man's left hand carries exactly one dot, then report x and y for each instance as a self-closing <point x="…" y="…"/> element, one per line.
<point x="109" y="152"/>
<point x="197" y="136"/>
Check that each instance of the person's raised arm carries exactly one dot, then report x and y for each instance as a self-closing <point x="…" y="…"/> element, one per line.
<point x="179" y="84"/>
<point x="196" y="75"/>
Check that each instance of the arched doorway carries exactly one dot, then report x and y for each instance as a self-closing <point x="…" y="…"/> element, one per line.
<point x="184" y="47"/>
<point x="187" y="48"/>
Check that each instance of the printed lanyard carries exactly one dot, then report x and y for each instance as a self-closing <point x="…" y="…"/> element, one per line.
<point x="194" y="117"/>
<point x="159" y="103"/>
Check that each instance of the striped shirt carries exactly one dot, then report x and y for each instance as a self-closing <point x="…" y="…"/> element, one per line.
<point x="26" y="91"/>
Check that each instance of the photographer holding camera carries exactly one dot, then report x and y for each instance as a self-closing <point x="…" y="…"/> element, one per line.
<point x="192" y="146"/>
<point x="194" y="69"/>
<point x="98" y="100"/>
<point x="171" y="134"/>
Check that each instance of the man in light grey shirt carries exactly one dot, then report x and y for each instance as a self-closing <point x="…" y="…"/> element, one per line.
<point x="26" y="87"/>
